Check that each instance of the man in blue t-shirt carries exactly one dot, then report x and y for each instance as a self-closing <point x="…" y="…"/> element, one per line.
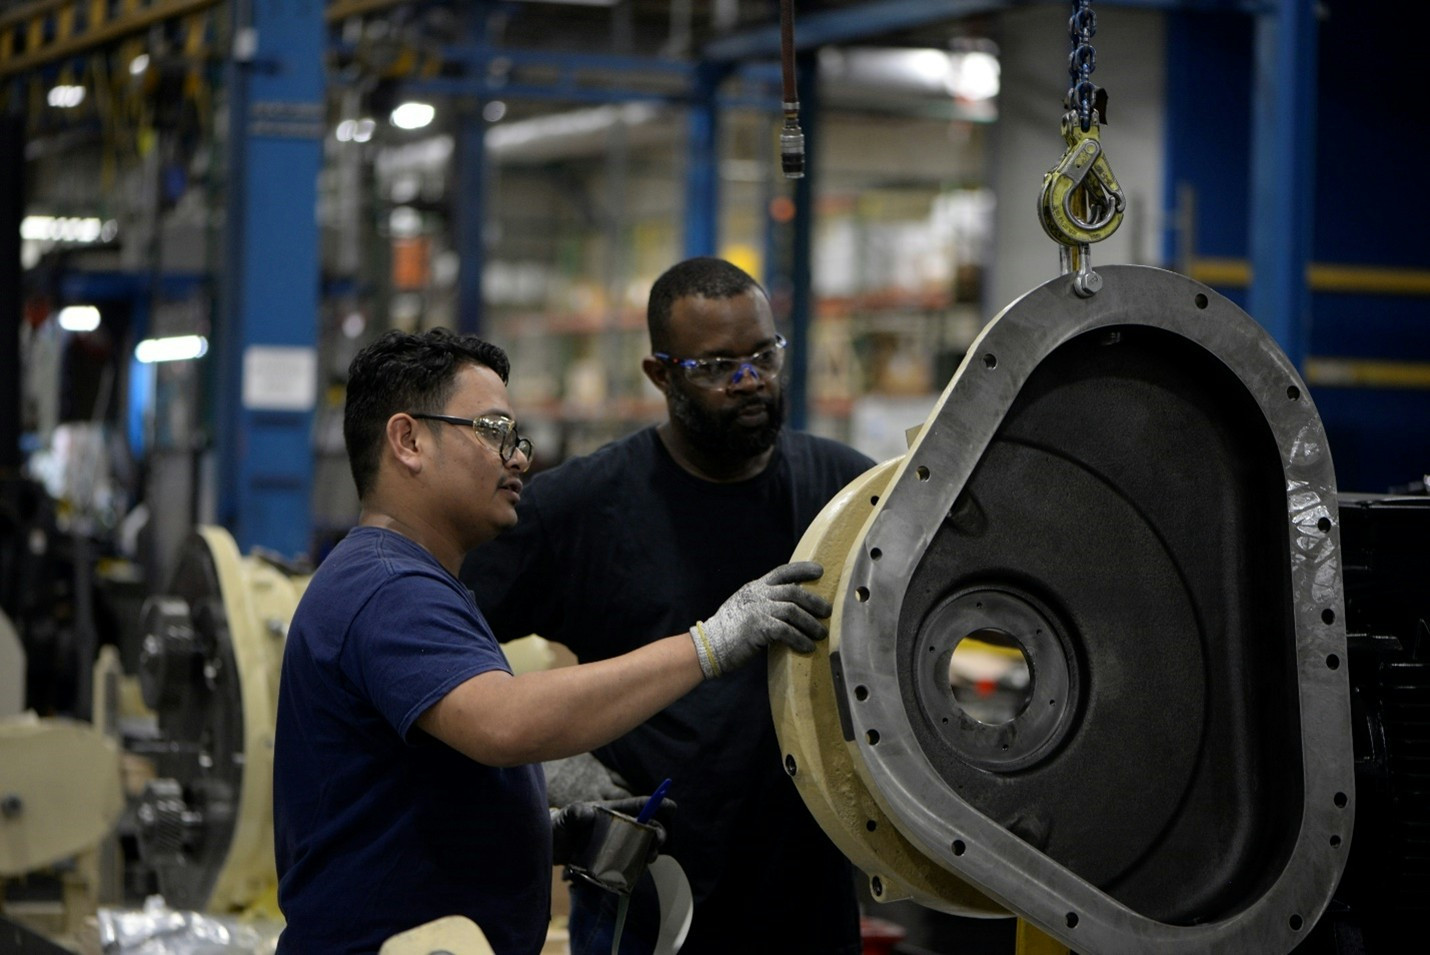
<point x="614" y="550"/>
<point x="407" y="784"/>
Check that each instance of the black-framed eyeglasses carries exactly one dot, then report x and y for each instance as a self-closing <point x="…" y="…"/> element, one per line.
<point x="723" y="372"/>
<point x="499" y="434"/>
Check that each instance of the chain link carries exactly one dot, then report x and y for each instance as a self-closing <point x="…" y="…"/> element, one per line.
<point x="1082" y="26"/>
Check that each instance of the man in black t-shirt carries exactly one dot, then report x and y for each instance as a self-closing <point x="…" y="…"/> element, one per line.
<point x="643" y="535"/>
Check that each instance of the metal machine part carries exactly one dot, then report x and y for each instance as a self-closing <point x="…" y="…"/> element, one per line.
<point x="209" y="665"/>
<point x="617" y="853"/>
<point x="1125" y="504"/>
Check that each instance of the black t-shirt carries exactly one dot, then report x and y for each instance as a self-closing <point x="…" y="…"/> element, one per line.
<point x="622" y="547"/>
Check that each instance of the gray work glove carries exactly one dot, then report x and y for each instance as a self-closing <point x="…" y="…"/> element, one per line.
<point x="581" y="778"/>
<point x="773" y="608"/>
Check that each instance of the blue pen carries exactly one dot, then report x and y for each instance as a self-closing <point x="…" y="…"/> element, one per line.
<point x="653" y="803"/>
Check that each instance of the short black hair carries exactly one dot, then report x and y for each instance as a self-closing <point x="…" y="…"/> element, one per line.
<point x="408" y="372"/>
<point x="705" y="276"/>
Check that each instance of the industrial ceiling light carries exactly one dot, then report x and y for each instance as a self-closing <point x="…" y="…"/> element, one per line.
<point x="175" y="348"/>
<point x="975" y="74"/>
<point x="65" y="96"/>
<point x="139" y="64"/>
<point x="355" y="130"/>
<point x="77" y="229"/>
<point x="413" y="115"/>
<point x="79" y="318"/>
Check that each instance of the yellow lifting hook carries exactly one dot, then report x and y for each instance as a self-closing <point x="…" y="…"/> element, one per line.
<point x="1081" y="202"/>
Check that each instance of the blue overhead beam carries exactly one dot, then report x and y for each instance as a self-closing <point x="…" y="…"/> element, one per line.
<point x="881" y="17"/>
<point x="813" y="30"/>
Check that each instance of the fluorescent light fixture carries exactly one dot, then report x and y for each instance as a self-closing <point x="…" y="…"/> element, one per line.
<point x="177" y="348"/>
<point x="355" y="130"/>
<point x="79" y="318"/>
<point x="413" y="115"/>
<point x="975" y="75"/>
<point x="68" y="229"/>
<point x="139" y="64"/>
<point x="66" y="96"/>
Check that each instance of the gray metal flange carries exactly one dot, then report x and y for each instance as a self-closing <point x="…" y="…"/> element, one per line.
<point x="1131" y="497"/>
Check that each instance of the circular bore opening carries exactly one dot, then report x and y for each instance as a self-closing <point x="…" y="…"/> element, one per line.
<point x="1201" y="300"/>
<point x="871" y="825"/>
<point x="990" y="677"/>
<point x="990" y="360"/>
<point x="877" y="885"/>
<point x="1333" y="662"/>
<point x="1340" y="800"/>
<point x="1323" y="525"/>
<point x="861" y="594"/>
<point x="790" y="765"/>
<point x="1296" y="922"/>
<point x="873" y="499"/>
<point x="1335" y="842"/>
<point x="873" y="737"/>
<point x="958" y="847"/>
<point x="1072" y="920"/>
<point x="861" y="693"/>
<point x="1328" y="615"/>
<point x="875" y="553"/>
<point x="922" y="472"/>
<point x="1293" y="393"/>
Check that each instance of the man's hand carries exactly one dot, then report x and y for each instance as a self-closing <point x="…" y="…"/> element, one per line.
<point x="571" y="827"/>
<point x="774" y="608"/>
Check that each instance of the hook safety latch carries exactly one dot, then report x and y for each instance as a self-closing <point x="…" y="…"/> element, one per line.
<point x="1081" y="202"/>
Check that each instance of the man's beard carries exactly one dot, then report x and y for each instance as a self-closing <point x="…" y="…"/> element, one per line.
<point x="720" y="434"/>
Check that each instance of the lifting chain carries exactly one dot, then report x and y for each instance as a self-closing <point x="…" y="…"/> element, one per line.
<point x="1081" y="201"/>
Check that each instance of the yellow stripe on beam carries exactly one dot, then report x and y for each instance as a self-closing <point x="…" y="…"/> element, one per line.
<point x="1367" y="373"/>
<point x="1322" y="277"/>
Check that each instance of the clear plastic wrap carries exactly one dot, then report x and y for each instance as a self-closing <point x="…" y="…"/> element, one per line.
<point x="157" y="929"/>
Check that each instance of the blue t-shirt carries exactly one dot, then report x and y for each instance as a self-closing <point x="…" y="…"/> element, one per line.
<point x="379" y="827"/>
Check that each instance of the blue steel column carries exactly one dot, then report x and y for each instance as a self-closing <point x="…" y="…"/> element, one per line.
<point x="269" y="296"/>
<point x="470" y="206"/>
<point x="702" y="172"/>
<point x="801" y="294"/>
<point x="1283" y="172"/>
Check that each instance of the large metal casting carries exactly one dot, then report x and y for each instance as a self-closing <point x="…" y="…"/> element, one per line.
<point x="1087" y="659"/>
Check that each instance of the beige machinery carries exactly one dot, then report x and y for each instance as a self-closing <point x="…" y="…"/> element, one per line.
<point x="209" y="665"/>
<point x="1125" y="503"/>
<point x="60" y="796"/>
<point x="12" y="669"/>
<point x="209" y="668"/>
